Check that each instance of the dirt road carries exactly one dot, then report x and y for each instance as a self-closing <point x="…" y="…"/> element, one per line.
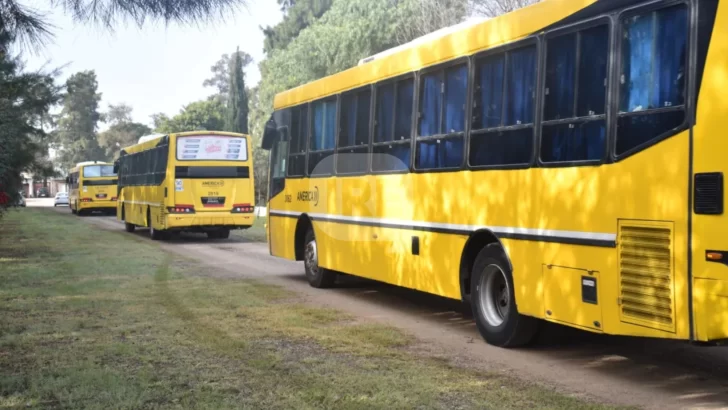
<point x="651" y="374"/>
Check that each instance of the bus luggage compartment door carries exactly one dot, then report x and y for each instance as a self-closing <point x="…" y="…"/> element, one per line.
<point x="571" y="295"/>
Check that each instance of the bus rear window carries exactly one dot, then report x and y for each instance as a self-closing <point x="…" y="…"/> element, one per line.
<point x="96" y="171"/>
<point x="212" y="148"/>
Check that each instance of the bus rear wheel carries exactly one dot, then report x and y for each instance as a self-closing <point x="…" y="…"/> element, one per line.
<point x="494" y="304"/>
<point x="129" y="227"/>
<point x="317" y="276"/>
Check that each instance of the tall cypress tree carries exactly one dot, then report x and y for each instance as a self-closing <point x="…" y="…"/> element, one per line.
<point x="237" y="104"/>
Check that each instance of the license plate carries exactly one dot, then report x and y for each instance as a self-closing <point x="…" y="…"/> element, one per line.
<point x="213" y="200"/>
<point x="101" y="196"/>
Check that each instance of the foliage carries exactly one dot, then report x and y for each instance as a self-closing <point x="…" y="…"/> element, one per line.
<point x="76" y="133"/>
<point x="493" y="8"/>
<point x="30" y="27"/>
<point x="123" y="132"/>
<point x="221" y="72"/>
<point x="25" y="100"/>
<point x="200" y="115"/>
<point x="237" y="102"/>
<point x="349" y="31"/>
<point x="297" y="16"/>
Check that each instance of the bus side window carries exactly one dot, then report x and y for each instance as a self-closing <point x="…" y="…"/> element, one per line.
<point x="442" y="116"/>
<point x="652" y="77"/>
<point x="353" y="148"/>
<point x="297" y="145"/>
<point x="574" y="124"/>
<point x="503" y="108"/>
<point x="394" y="107"/>
<point x="323" y="131"/>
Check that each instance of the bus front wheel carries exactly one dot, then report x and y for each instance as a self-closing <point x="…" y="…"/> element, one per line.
<point x="317" y="276"/>
<point x="494" y="304"/>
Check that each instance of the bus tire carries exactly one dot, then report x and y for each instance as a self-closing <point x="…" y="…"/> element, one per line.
<point x="317" y="276"/>
<point x="129" y="227"/>
<point x="73" y="211"/>
<point x="494" y="303"/>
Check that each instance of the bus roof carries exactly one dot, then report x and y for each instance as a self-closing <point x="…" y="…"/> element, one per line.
<point x="450" y="43"/>
<point x="151" y="140"/>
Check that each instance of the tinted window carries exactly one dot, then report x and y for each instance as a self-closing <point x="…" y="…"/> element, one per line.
<point x="437" y="153"/>
<point x="488" y="101"/>
<point x="324" y="125"/>
<point x="299" y="127"/>
<point x="442" y="105"/>
<point x="355" y="119"/>
<point x="520" y="86"/>
<point x="573" y="142"/>
<point x="654" y="52"/>
<point x="456" y="91"/>
<point x="430" y="105"/>
<point x="501" y="148"/>
<point x="653" y="60"/>
<point x="404" y="109"/>
<point x="385" y="113"/>
<point x="391" y="157"/>
<point x="298" y="136"/>
<point x="576" y="83"/>
<point x="560" y="77"/>
<point x="593" y="63"/>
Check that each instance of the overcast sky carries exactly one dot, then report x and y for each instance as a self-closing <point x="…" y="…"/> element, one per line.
<point x="155" y="68"/>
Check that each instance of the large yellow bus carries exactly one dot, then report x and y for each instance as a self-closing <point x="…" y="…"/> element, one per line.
<point x="560" y="163"/>
<point x="92" y="187"/>
<point x="200" y="181"/>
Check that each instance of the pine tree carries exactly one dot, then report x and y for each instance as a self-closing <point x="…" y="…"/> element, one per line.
<point x="237" y="104"/>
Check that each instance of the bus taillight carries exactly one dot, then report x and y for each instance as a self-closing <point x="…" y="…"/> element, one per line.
<point x="242" y="208"/>
<point x="113" y="198"/>
<point x="181" y="209"/>
<point x="86" y="200"/>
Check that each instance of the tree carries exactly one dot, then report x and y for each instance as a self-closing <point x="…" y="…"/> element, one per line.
<point x="200" y="115"/>
<point x="237" y="102"/>
<point x="123" y="132"/>
<point x="298" y="15"/>
<point x="26" y="25"/>
<point x="221" y="72"/>
<point x="25" y="101"/>
<point x="76" y="133"/>
<point x="494" y="8"/>
<point x="118" y="114"/>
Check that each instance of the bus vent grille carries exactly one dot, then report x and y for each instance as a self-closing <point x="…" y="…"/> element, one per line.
<point x="709" y="193"/>
<point x="646" y="274"/>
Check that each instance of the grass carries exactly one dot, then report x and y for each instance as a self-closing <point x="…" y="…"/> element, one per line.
<point x="97" y="319"/>
<point x="255" y="233"/>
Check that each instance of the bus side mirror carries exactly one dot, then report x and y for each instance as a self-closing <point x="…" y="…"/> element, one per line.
<point x="68" y="180"/>
<point x="116" y="167"/>
<point x="270" y="134"/>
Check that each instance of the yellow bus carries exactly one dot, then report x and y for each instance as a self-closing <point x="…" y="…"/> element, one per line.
<point x="559" y="163"/>
<point x="92" y="187"/>
<point x="199" y="181"/>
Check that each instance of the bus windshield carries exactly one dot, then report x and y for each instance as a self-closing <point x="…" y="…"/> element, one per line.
<point x="212" y="148"/>
<point x="95" y="171"/>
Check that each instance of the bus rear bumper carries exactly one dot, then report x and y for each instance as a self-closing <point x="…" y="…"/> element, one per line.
<point x="202" y="222"/>
<point x="106" y="206"/>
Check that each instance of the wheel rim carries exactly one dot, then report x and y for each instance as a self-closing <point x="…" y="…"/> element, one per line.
<point x="311" y="258"/>
<point x="495" y="295"/>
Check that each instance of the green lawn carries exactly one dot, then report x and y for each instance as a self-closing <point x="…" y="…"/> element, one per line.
<point x="255" y="233"/>
<point x="97" y="319"/>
